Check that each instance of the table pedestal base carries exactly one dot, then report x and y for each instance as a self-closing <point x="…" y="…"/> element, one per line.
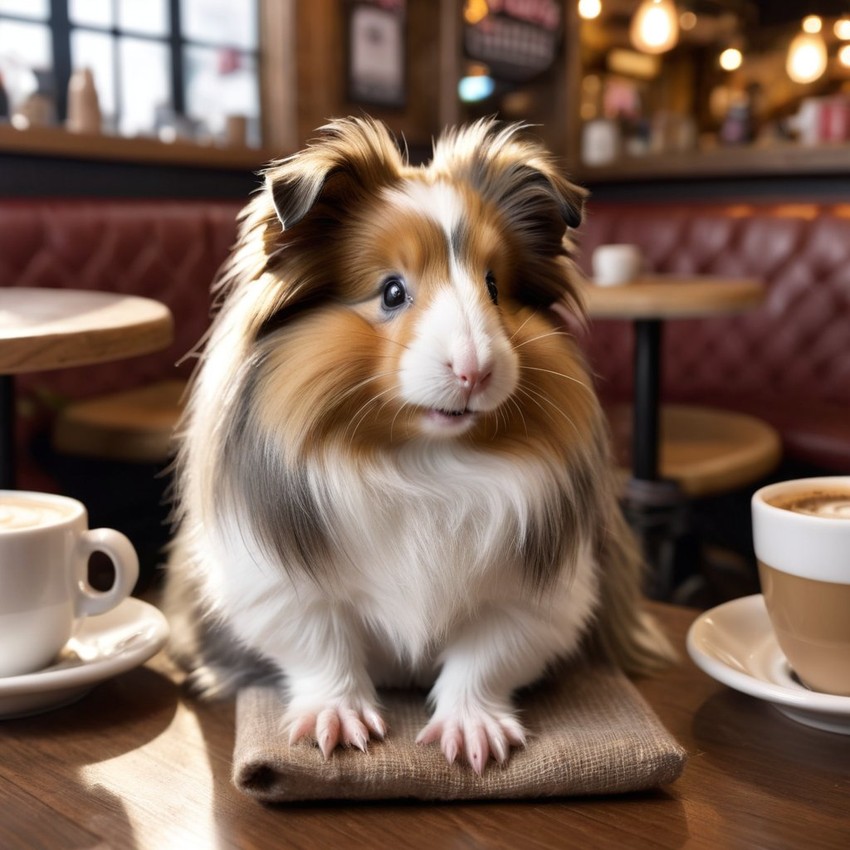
<point x="657" y="511"/>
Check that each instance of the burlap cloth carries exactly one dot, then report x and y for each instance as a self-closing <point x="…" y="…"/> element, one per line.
<point x="590" y="733"/>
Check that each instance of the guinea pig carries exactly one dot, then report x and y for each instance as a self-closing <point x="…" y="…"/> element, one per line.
<point x="393" y="469"/>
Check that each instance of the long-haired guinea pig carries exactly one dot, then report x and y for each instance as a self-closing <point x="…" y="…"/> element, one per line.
<point x="393" y="469"/>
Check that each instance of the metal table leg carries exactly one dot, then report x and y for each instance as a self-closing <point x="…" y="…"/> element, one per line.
<point x="654" y="506"/>
<point x="647" y="399"/>
<point x="7" y="432"/>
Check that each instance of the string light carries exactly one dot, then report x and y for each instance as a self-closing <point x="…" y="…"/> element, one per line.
<point x="687" y="20"/>
<point x="806" y="60"/>
<point x="655" y="26"/>
<point x="731" y="59"/>
<point x="589" y="9"/>
<point x="812" y="24"/>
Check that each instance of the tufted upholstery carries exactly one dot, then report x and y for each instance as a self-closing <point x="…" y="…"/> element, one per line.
<point x="167" y="250"/>
<point x="164" y="249"/>
<point x="787" y="361"/>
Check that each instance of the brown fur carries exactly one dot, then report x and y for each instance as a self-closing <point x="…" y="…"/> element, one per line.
<point x="318" y="368"/>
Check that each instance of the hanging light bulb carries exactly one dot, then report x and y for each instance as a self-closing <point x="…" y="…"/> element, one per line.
<point x="731" y="59"/>
<point x="589" y="9"/>
<point x="806" y="60"/>
<point x="655" y="26"/>
<point x="812" y="23"/>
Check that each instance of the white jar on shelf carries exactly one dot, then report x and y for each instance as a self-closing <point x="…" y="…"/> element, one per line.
<point x="83" y="105"/>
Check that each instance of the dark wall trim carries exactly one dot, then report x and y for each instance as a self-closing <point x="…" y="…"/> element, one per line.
<point x="27" y="176"/>
<point x="767" y="188"/>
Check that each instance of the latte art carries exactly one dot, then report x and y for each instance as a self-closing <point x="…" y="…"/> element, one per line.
<point x="829" y="505"/>
<point x="18" y="514"/>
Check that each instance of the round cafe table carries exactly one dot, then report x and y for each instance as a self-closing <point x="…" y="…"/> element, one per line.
<point x="649" y="301"/>
<point x="42" y="329"/>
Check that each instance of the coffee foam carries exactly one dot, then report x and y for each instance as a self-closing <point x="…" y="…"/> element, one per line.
<point x="793" y="538"/>
<point x="17" y="514"/>
<point x="830" y="504"/>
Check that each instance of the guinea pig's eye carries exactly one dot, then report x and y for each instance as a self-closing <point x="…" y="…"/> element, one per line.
<point x="395" y="293"/>
<point x="492" y="290"/>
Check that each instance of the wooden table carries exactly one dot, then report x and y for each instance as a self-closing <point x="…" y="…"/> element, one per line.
<point x="649" y="301"/>
<point x="655" y="504"/>
<point x="138" y="764"/>
<point x="44" y="329"/>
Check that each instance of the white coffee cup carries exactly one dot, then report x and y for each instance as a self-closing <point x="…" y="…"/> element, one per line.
<point x="616" y="264"/>
<point x="801" y="533"/>
<point x="45" y="544"/>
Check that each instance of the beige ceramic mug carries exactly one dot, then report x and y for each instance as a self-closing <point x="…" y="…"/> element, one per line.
<point x="616" y="264"/>
<point x="801" y="532"/>
<point x="45" y="544"/>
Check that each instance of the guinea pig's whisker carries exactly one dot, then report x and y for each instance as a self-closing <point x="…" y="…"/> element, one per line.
<point x="559" y="374"/>
<point x="372" y="335"/>
<point x="516" y="404"/>
<point x="542" y="336"/>
<point x="545" y="412"/>
<point x="500" y="421"/>
<point x="530" y="317"/>
<point x="392" y="424"/>
<point x="365" y="408"/>
<point x="394" y="342"/>
<point x="533" y="394"/>
<point x="344" y="394"/>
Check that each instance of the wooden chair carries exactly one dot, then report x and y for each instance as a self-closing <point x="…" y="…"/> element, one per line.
<point x="705" y="450"/>
<point x="135" y="426"/>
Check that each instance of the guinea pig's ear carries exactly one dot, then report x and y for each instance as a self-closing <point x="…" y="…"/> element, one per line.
<point x="294" y="188"/>
<point x="350" y="157"/>
<point x="569" y="197"/>
<point x="515" y="173"/>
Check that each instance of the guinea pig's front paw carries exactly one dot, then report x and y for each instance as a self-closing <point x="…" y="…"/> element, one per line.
<point x="475" y="731"/>
<point x="336" y="724"/>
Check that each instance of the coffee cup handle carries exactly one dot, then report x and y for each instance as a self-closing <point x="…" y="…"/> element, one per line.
<point x="125" y="561"/>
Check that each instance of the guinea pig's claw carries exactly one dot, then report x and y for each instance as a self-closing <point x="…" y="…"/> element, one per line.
<point x="478" y="736"/>
<point x="338" y="726"/>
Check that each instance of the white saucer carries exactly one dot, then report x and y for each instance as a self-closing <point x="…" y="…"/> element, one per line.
<point x="735" y="644"/>
<point x="105" y="646"/>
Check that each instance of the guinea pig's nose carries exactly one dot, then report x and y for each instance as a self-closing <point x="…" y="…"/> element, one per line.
<point x="470" y="372"/>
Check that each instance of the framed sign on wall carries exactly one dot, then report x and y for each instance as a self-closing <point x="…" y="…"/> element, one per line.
<point x="377" y="52"/>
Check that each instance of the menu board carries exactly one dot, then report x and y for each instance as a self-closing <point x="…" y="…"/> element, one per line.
<point x="516" y="39"/>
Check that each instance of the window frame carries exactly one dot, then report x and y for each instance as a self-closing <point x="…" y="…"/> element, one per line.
<point x="61" y="28"/>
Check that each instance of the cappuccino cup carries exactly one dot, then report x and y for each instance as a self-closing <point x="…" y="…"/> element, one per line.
<point x="801" y="532"/>
<point x="616" y="264"/>
<point x="45" y="545"/>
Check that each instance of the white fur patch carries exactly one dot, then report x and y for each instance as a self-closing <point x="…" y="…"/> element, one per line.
<point x="438" y="201"/>
<point x="427" y="551"/>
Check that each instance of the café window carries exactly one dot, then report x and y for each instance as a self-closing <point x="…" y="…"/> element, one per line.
<point x="162" y="68"/>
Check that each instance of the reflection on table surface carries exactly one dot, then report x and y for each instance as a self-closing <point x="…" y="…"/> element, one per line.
<point x="672" y="296"/>
<point x="138" y="763"/>
<point x="57" y="328"/>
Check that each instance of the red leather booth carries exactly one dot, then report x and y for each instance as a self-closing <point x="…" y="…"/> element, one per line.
<point x="788" y="361"/>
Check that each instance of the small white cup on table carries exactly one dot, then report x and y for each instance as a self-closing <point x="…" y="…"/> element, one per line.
<point x="45" y="545"/>
<point x="801" y="533"/>
<point x="616" y="264"/>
